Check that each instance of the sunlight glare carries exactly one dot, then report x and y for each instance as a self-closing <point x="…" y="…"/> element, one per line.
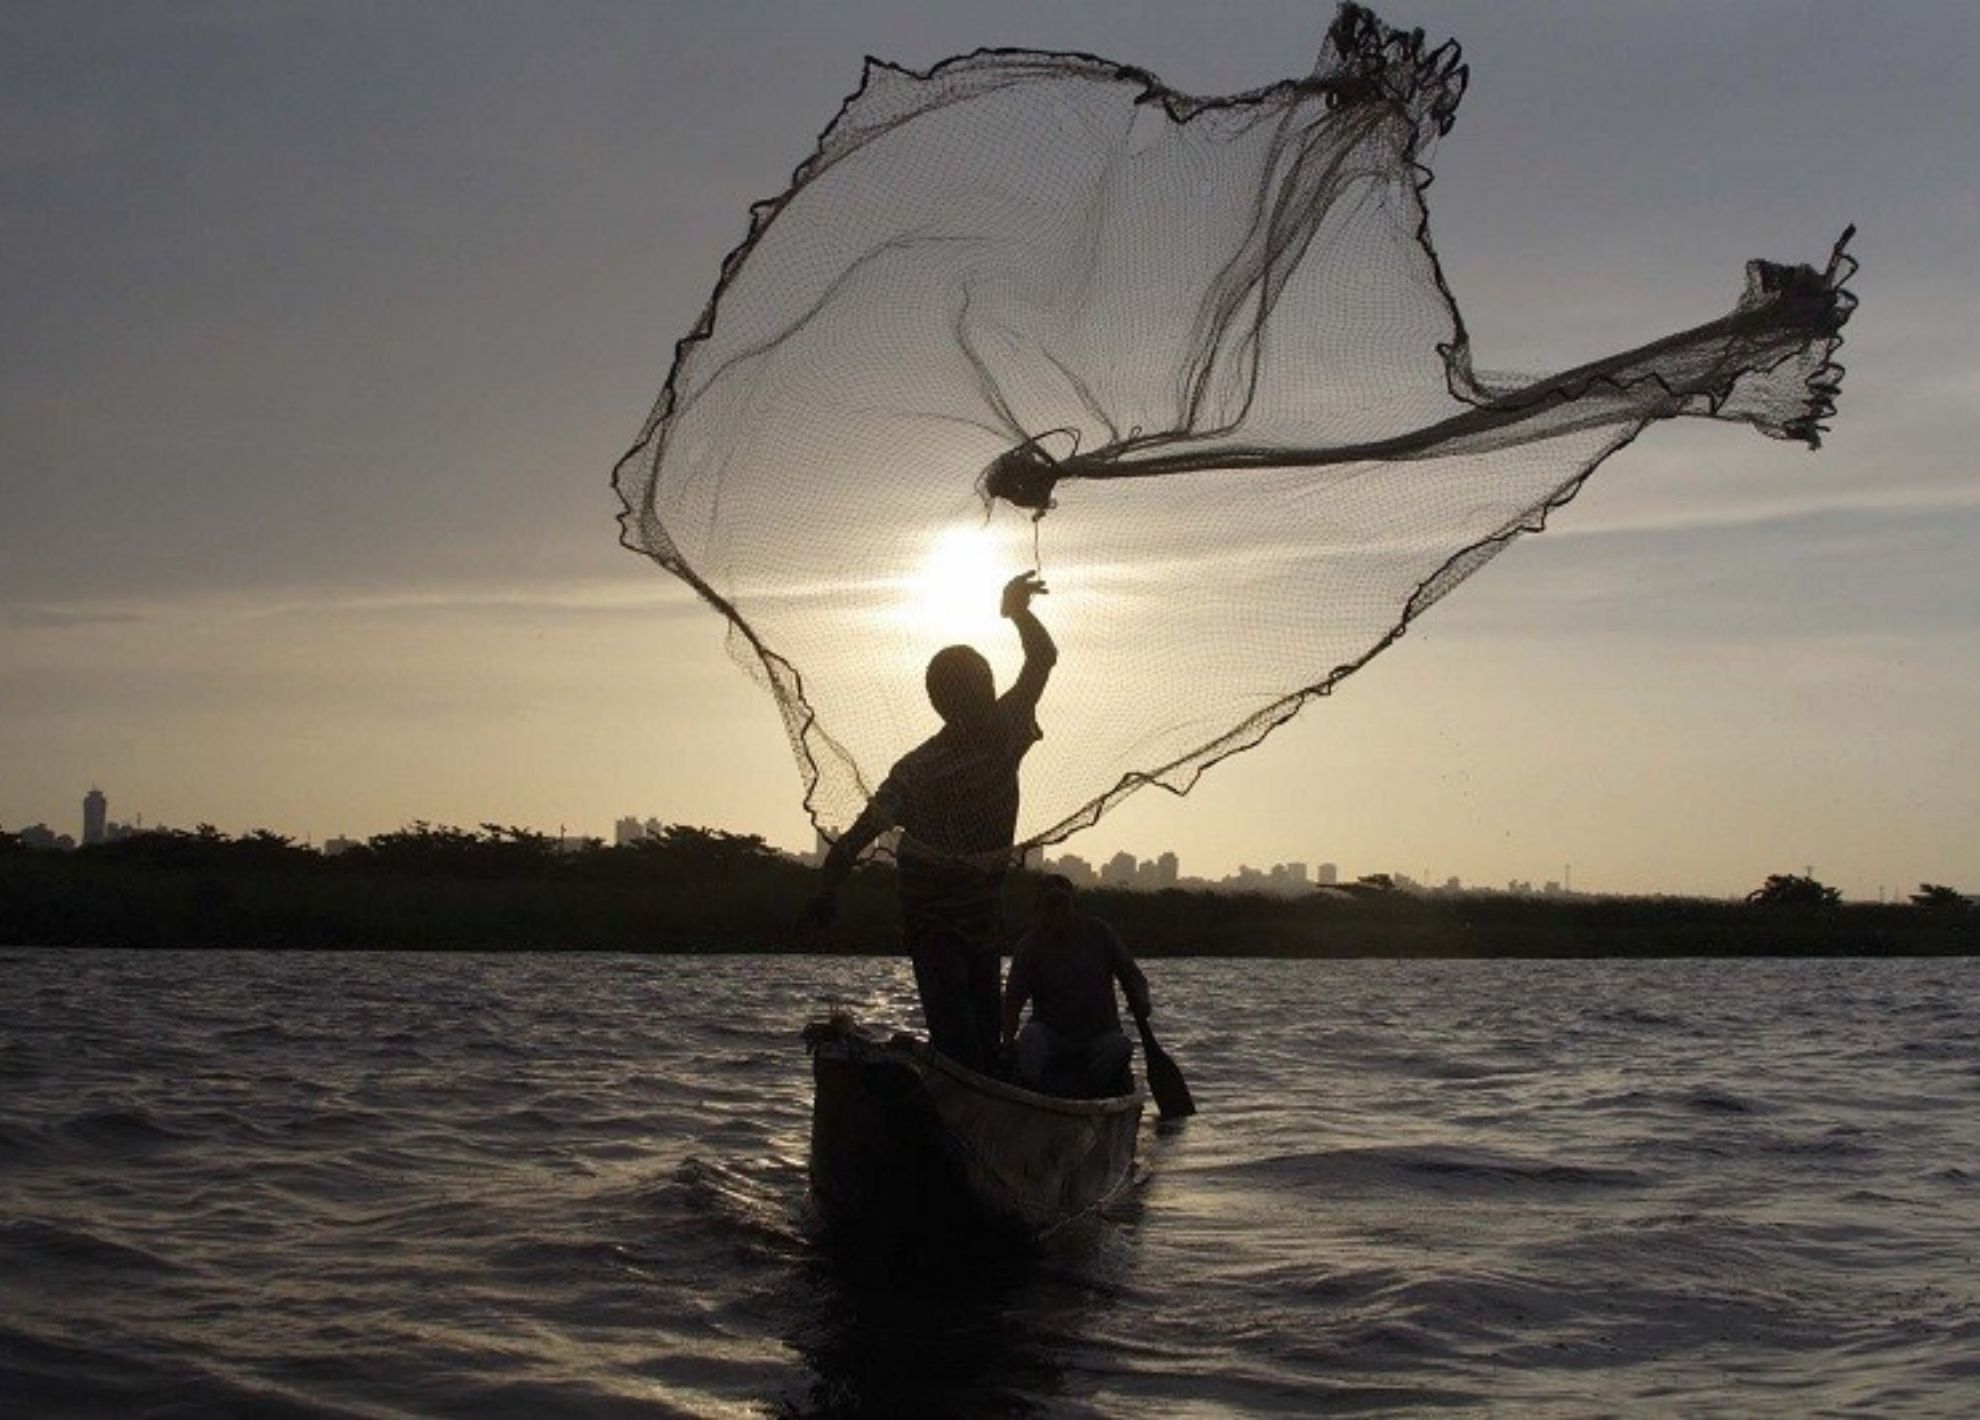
<point x="954" y="592"/>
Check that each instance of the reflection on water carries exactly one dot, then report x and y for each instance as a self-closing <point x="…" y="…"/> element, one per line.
<point x="903" y="1329"/>
<point x="567" y="1184"/>
<point x="929" y="1340"/>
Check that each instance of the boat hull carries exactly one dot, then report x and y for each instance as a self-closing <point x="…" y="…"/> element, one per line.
<point x="902" y="1137"/>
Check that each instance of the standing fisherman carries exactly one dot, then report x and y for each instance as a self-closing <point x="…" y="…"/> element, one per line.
<point x="955" y="799"/>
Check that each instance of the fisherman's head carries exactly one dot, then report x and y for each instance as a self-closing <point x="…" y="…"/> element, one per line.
<point x="960" y="685"/>
<point x="1056" y="899"/>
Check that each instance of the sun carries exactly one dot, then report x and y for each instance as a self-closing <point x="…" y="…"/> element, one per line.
<point x="954" y="591"/>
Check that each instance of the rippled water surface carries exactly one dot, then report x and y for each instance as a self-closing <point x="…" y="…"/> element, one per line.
<point x="369" y="1184"/>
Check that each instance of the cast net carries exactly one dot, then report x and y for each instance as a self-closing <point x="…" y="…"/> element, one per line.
<point x="1194" y="358"/>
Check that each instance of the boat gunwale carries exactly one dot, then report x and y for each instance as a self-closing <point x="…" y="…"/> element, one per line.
<point x="909" y="1053"/>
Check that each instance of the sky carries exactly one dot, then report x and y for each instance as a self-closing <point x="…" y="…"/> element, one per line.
<point x="326" y="324"/>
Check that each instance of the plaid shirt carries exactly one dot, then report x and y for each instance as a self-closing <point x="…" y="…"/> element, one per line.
<point x="956" y="793"/>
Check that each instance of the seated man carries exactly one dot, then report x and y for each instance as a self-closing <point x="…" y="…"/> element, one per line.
<point x="1066" y="966"/>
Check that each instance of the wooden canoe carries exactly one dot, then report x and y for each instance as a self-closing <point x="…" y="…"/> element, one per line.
<point x="903" y="1138"/>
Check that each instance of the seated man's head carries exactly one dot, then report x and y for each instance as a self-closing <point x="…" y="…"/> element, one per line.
<point x="960" y="685"/>
<point x="1055" y="898"/>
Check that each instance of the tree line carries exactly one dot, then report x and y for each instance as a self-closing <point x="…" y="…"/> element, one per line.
<point x="425" y="849"/>
<point x="691" y="889"/>
<point x="493" y="850"/>
<point x="1806" y="890"/>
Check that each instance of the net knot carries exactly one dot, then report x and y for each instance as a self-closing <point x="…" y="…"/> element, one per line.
<point x="1024" y="477"/>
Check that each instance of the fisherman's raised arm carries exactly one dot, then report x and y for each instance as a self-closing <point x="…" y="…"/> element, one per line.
<point x="1040" y="654"/>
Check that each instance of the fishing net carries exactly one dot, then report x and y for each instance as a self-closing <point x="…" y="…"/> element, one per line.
<point x="1193" y="358"/>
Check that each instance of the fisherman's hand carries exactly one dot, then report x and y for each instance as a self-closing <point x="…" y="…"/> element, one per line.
<point x="1019" y="591"/>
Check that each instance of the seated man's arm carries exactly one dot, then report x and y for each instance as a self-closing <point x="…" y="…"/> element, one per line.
<point x="1133" y="984"/>
<point x="1040" y="654"/>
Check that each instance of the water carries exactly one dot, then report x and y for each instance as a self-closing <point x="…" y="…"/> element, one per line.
<point x="369" y="1184"/>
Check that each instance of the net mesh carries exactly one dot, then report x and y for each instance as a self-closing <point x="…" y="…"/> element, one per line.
<point x="1193" y="358"/>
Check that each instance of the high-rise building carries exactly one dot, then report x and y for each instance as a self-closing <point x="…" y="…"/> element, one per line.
<point x="96" y="813"/>
<point x="1074" y="869"/>
<point x="1327" y="874"/>
<point x="1167" y="869"/>
<point x="1119" y="871"/>
<point x="627" y="831"/>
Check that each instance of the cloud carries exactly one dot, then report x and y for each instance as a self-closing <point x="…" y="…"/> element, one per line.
<point x="1590" y="519"/>
<point x="572" y="599"/>
<point x="647" y="598"/>
<point x="28" y="617"/>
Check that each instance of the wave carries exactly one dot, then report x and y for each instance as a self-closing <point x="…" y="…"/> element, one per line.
<point x="46" y="1377"/>
<point x="41" y="1243"/>
<point x="118" y="1131"/>
<point x="1428" y="1166"/>
<point x="1636" y="1016"/>
<point x="730" y="1210"/>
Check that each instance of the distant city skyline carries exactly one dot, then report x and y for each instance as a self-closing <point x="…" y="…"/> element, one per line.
<point x="97" y="826"/>
<point x="1123" y="869"/>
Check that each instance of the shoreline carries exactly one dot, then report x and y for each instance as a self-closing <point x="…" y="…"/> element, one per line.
<point x="73" y="901"/>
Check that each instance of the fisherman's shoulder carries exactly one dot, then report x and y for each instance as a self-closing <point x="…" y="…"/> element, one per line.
<point x="1017" y="719"/>
<point x="1099" y="929"/>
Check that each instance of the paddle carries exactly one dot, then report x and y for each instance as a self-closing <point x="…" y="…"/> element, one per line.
<point x="1165" y="1081"/>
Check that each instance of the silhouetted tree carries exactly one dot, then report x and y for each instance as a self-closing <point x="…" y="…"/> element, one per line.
<point x="496" y="851"/>
<point x="1937" y="897"/>
<point x="421" y="849"/>
<point x="709" y="850"/>
<point x="1793" y="890"/>
<point x="507" y="848"/>
<point x="1372" y="884"/>
<point x="265" y="849"/>
<point x="161" y="848"/>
